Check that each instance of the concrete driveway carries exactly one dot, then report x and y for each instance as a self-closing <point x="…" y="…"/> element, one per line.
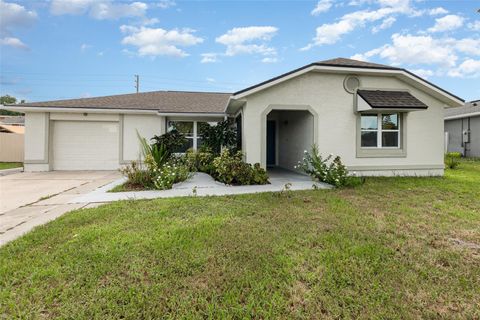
<point x="31" y="199"/>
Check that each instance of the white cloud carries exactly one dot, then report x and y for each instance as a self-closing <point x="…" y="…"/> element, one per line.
<point x="410" y="50"/>
<point x="13" y="42"/>
<point x="270" y="60"/>
<point x="248" y="40"/>
<point x="437" y="11"/>
<point x="158" y="41"/>
<point x="467" y="69"/>
<point x="209" y="57"/>
<point x="322" y="6"/>
<point x="442" y="53"/>
<point x="211" y="80"/>
<point x="330" y="33"/>
<point x="475" y="26"/>
<point x="447" y="23"/>
<point x="13" y="16"/>
<point x="424" y="73"/>
<point x="164" y="4"/>
<point x="74" y="7"/>
<point x="386" y="23"/>
<point x="100" y="10"/>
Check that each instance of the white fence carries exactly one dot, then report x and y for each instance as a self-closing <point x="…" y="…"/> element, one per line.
<point x="11" y="147"/>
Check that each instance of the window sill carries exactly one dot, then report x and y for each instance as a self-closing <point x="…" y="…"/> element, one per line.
<point x="381" y="153"/>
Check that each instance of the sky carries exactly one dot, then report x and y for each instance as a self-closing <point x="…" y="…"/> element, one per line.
<point x="61" y="49"/>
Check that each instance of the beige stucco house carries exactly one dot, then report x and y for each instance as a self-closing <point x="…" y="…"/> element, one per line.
<point x="381" y="120"/>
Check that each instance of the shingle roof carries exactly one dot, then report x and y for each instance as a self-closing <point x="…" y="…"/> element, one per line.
<point x="346" y="63"/>
<point x="162" y="101"/>
<point x="391" y="99"/>
<point x="468" y="109"/>
<point x="343" y="62"/>
<point x="12" y="119"/>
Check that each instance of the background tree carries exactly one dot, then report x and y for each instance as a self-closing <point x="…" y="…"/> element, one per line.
<point x="6" y="99"/>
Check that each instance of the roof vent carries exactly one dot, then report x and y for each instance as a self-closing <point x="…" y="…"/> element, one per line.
<point x="351" y="84"/>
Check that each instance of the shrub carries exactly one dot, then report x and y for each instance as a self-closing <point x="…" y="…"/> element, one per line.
<point x="172" y="141"/>
<point x="137" y="176"/>
<point x="231" y="169"/>
<point x="200" y="161"/>
<point x="452" y="159"/>
<point x="170" y="174"/>
<point x="327" y="170"/>
<point x="214" y="137"/>
<point x="155" y="155"/>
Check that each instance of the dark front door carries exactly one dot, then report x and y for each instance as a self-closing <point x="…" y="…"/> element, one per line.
<point x="271" y="128"/>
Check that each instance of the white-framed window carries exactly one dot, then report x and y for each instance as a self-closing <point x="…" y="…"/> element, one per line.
<point x="380" y="130"/>
<point x="191" y="131"/>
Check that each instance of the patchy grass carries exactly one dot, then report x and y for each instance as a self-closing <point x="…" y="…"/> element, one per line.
<point x="396" y="248"/>
<point x="10" y="165"/>
<point x="128" y="187"/>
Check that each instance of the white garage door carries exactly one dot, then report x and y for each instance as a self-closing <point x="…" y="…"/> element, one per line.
<point x="85" y="145"/>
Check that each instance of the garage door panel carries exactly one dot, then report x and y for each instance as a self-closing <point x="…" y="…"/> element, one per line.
<point x="85" y="145"/>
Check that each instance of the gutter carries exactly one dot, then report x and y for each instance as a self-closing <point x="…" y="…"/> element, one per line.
<point x="191" y="114"/>
<point x="460" y="116"/>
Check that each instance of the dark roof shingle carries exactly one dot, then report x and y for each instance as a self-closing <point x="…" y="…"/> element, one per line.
<point x="162" y="101"/>
<point x="391" y="99"/>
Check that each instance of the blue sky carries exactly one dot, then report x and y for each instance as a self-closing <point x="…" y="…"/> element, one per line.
<point x="79" y="48"/>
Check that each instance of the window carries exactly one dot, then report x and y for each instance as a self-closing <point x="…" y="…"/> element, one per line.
<point x="191" y="130"/>
<point x="380" y="130"/>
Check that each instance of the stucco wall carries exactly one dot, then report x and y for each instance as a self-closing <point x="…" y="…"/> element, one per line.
<point x="336" y="134"/>
<point x="36" y="137"/>
<point x="147" y="126"/>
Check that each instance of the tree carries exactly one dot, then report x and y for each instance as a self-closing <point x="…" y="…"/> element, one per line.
<point x="223" y="134"/>
<point x="6" y="99"/>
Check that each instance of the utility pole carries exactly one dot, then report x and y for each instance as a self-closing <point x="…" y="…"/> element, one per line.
<point x="137" y="82"/>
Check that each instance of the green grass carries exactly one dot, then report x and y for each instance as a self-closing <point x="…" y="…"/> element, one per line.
<point x="10" y="165"/>
<point x="385" y="250"/>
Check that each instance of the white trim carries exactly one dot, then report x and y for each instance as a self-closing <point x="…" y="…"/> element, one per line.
<point x="192" y="114"/>
<point x="367" y="71"/>
<point x="380" y="130"/>
<point x="465" y="115"/>
<point x="78" y="110"/>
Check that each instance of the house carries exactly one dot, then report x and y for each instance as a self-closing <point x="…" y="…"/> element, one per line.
<point x="462" y="129"/>
<point x="381" y="120"/>
<point x="11" y="138"/>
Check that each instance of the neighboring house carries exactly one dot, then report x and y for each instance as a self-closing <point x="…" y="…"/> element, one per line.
<point x="11" y="138"/>
<point x="381" y="120"/>
<point x="462" y="129"/>
<point x="12" y="120"/>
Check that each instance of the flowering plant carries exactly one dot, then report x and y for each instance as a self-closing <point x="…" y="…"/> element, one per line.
<point x="324" y="169"/>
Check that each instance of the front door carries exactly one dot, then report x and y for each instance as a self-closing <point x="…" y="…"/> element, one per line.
<point x="271" y="132"/>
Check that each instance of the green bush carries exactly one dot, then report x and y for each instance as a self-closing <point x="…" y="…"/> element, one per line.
<point x="214" y="137"/>
<point x="231" y="169"/>
<point x="452" y="159"/>
<point x="200" y="161"/>
<point x="137" y="176"/>
<point x="327" y="170"/>
<point x="172" y="141"/>
<point x="169" y="174"/>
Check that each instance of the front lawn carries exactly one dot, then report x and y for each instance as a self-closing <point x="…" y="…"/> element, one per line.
<point x="10" y="165"/>
<point x="396" y="248"/>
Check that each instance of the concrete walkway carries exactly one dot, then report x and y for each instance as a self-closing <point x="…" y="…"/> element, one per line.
<point x="202" y="184"/>
<point x="31" y="199"/>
